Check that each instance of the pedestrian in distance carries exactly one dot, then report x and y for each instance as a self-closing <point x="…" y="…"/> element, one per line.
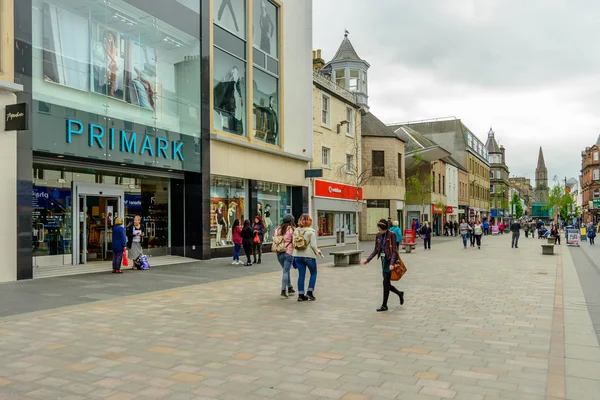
<point x="258" y="229"/>
<point x="386" y="251"/>
<point x="532" y="227"/>
<point x="556" y="234"/>
<point x="426" y="235"/>
<point x="464" y="232"/>
<point x="526" y="229"/>
<point x="135" y="235"/>
<point x="305" y="256"/>
<point x="477" y="232"/>
<point x="515" y="228"/>
<point x="119" y="242"/>
<point x="591" y="233"/>
<point x="247" y="240"/>
<point x="236" y="238"/>
<point x="398" y="232"/>
<point x="471" y="232"/>
<point x="455" y="228"/>
<point x="486" y="228"/>
<point x="283" y="245"/>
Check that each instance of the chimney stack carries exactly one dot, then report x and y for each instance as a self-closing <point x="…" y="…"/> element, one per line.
<point x="318" y="62"/>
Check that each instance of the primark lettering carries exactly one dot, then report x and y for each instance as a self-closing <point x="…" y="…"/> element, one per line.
<point x="125" y="142"/>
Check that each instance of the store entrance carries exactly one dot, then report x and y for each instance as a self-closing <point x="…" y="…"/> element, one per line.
<point x="340" y="229"/>
<point x="97" y="207"/>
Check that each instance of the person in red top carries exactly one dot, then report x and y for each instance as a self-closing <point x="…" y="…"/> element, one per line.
<point x="236" y="237"/>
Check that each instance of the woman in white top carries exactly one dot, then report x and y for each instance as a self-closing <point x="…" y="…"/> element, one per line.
<point x="478" y="231"/>
<point x="305" y="256"/>
<point x="134" y="239"/>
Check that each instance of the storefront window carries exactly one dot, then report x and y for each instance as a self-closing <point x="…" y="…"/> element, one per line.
<point x="227" y="203"/>
<point x="350" y="224"/>
<point x="229" y="93"/>
<point x="231" y="15"/>
<point x="273" y="204"/>
<point x="266" y="105"/>
<point x="326" y="223"/>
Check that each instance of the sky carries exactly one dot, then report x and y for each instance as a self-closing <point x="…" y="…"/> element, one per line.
<point x="528" y="69"/>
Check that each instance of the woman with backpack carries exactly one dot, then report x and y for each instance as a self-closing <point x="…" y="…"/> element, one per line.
<point x="386" y="250"/>
<point x="259" y="236"/>
<point x="305" y="256"/>
<point x="283" y="245"/>
<point x="247" y="240"/>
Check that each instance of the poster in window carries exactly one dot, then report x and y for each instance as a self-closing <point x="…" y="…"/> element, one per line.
<point x="66" y="48"/>
<point x="265" y="26"/>
<point x="229" y="93"/>
<point x="141" y="75"/>
<point x="231" y="15"/>
<point x="108" y="62"/>
<point x="265" y="104"/>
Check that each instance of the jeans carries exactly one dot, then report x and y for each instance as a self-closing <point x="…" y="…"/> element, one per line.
<point x="515" y="239"/>
<point x="592" y="239"/>
<point x="302" y="263"/>
<point x="257" y="248"/>
<point x="117" y="260"/>
<point x="285" y="260"/>
<point x="427" y="242"/>
<point x="236" y="252"/>
<point x="472" y="239"/>
<point x="464" y="238"/>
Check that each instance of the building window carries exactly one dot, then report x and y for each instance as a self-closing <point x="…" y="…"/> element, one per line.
<point x="350" y="124"/>
<point x="363" y="81"/>
<point x="400" y="165"/>
<point x="227" y="203"/>
<point x="596" y="193"/>
<point x="439" y="183"/>
<point x="596" y="174"/>
<point x="443" y="185"/>
<point x="325" y="120"/>
<point x="595" y="156"/>
<point x="340" y="77"/>
<point x="498" y="174"/>
<point x="433" y="182"/>
<point x="353" y="81"/>
<point x="492" y="187"/>
<point x="350" y="169"/>
<point x="326" y="157"/>
<point x="266" y="106"/>
<point x="378" y="163"/>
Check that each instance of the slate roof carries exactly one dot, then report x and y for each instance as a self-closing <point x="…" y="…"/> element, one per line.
<point x="414" y="140"/>
<point x="450" y="160"/>
<point x="346" y="52"/>
<point x="372" y="126"/>
<point x="491" y="145"/>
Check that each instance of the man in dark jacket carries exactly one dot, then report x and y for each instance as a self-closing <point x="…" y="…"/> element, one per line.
<point x="515" y="228"/>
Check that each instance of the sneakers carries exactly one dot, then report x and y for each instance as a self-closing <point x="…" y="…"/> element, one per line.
<point x="302" y="297"/>
<point x="291" y="290"/>
<point x="310" y="296"/>
<point x="234" y="262"/>
<point x="382" y="308"/>
<point x="284" y="296"/>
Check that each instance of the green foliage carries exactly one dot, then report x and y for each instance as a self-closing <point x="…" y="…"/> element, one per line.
<point x="516" y="201"/>
<point x="559" y="201"/>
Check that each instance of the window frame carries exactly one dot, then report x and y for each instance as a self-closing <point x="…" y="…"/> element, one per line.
<point x="327" y="112"/>
<point x="350" y="124"/>
<point x="596" y="174"/>
<point x="377" y="171"/>
<point x="595" y="156"/>
<point x="350" y="171"/>
<point x="326" y="151"/>
<point x="343" y="77"/>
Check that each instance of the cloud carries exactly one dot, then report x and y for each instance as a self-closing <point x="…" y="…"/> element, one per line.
<point x="527" y="68"/>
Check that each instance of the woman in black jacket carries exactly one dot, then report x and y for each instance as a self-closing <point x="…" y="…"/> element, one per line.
<point x="247" y="240"/>
<point x="426" y="234"/>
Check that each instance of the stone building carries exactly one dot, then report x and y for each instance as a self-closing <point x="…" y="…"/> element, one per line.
<point x="590" y="182"/>
<point x="540" y="193"/>
<point x="523" y="186"/>
<point x="499" y="193"/>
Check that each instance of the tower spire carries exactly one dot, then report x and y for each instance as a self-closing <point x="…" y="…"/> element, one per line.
<point x="541" y="163"/>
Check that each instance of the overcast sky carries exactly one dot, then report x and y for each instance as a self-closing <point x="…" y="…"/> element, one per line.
<point x="530" y="69"/>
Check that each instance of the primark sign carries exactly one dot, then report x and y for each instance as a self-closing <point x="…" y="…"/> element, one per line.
<point x="97" y="136"/>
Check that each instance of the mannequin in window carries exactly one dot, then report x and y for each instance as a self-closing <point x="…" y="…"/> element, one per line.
<point x="229" y="101"/>
<point x="267" y="28"/>
<point x="220" y="220"/>
<point x="268" y="222"/>
<point x="231" y="216"/>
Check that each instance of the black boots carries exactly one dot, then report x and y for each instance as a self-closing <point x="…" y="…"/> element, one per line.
<point x="382" y="308"/>
<point x="291" y="290"/>
<point x="302" y="297"/>
<point x="284" y="296"/>
<point x="310" y="296"/>
<point x="401" y="298"/>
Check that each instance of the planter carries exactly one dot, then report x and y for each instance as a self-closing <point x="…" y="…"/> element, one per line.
<point x="551" y="240"/>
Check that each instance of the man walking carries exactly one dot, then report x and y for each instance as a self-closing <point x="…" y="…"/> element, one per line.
<point x="515" y="228"/>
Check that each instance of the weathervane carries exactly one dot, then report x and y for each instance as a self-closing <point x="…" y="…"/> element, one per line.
<point x="346" y="33"/>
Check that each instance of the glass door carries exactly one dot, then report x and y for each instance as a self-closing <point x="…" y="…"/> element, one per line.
<point x="83" y="225"/>
<point x="340" y="229"/>
<point x="111" y="212"/>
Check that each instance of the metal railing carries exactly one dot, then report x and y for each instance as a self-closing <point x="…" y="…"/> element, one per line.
<point x="334" y="87"/>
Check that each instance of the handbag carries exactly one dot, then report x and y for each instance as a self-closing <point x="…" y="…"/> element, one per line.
<point x="398" y="269"/>
<point x="256" y="238"/>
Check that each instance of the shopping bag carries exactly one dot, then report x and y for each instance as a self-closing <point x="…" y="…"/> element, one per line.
<point x="125" y="260"/>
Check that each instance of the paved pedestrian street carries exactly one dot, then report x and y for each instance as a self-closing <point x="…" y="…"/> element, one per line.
<point x="495" y="323"/>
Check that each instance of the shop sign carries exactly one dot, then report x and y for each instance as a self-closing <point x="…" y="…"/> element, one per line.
<point x="126" y="143"/>
<point x="16" y="117"/>
<point x="336" y="190"/>
<point x="573" y="237"/>
<point x="596" y="204"/>
<point x="437" y="210"/>
<point x="449" y="210"/>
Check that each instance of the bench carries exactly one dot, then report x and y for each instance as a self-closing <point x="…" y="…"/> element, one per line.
<point x="548" y="249"/>
<point x="345" y="258"/>
<point x="408" y="246"/>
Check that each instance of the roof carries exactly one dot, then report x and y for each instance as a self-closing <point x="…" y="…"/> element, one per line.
<point x="541" y="164"/>
<point x="372" y="126"/>
<point x="491" y="145"/>
<point x="450" y="160"/>
<point x="346" y="52"/>
<point x="414" y="140"/>
<point x="598" y="141"/>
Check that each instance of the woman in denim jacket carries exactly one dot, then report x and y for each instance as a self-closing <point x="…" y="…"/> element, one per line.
<point x="385" y="248"/>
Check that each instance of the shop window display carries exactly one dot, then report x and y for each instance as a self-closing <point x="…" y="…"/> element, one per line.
<point x="266" y="25"/>
<point x="265" y="103"/>
<point x="227" y="203"/>
<point x="229" y="93"/>
<point x="326" y="223"/>
<point x="231" y="15"/>
<point x="273" y="204"/>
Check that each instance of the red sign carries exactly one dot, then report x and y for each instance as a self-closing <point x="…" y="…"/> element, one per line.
<point x="334" y="190"/>
<point x="437" y="210"/>
<point x="449" y="209"/>
<point x="410" y="236"/>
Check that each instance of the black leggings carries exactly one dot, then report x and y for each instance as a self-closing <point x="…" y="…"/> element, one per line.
<point x="247" y="250"/>
<point x="387" y="287"/>
<point x="427" y="242"/>
<point x="478" y="240"/>
<point x="257" y="248"/>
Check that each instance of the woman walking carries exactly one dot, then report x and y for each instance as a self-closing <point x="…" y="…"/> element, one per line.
<point x="283" y="239"/>
<point x="247" y="237"/>
<point x="556" y="233"/>
<point x="305" y="256"/>
<point x="464" y="232"/>
<point x="426" y="234"/>
<point x="236" y="238"/>
<point x="258" y="228"/>
<point x="591" y="233"/>
<point x="386" y="251"/>
<point x="119" y="241"/>
<point x="135" y="235"/>
<point x="477" y="232"/>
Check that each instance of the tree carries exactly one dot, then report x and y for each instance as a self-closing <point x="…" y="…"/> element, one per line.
<point x="516" y="202"/>
<point x="559" y="201"/>
<point x="419" y="184"/>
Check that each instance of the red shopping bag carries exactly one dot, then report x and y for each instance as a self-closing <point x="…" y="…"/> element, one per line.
<point x="125" y="260"/>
